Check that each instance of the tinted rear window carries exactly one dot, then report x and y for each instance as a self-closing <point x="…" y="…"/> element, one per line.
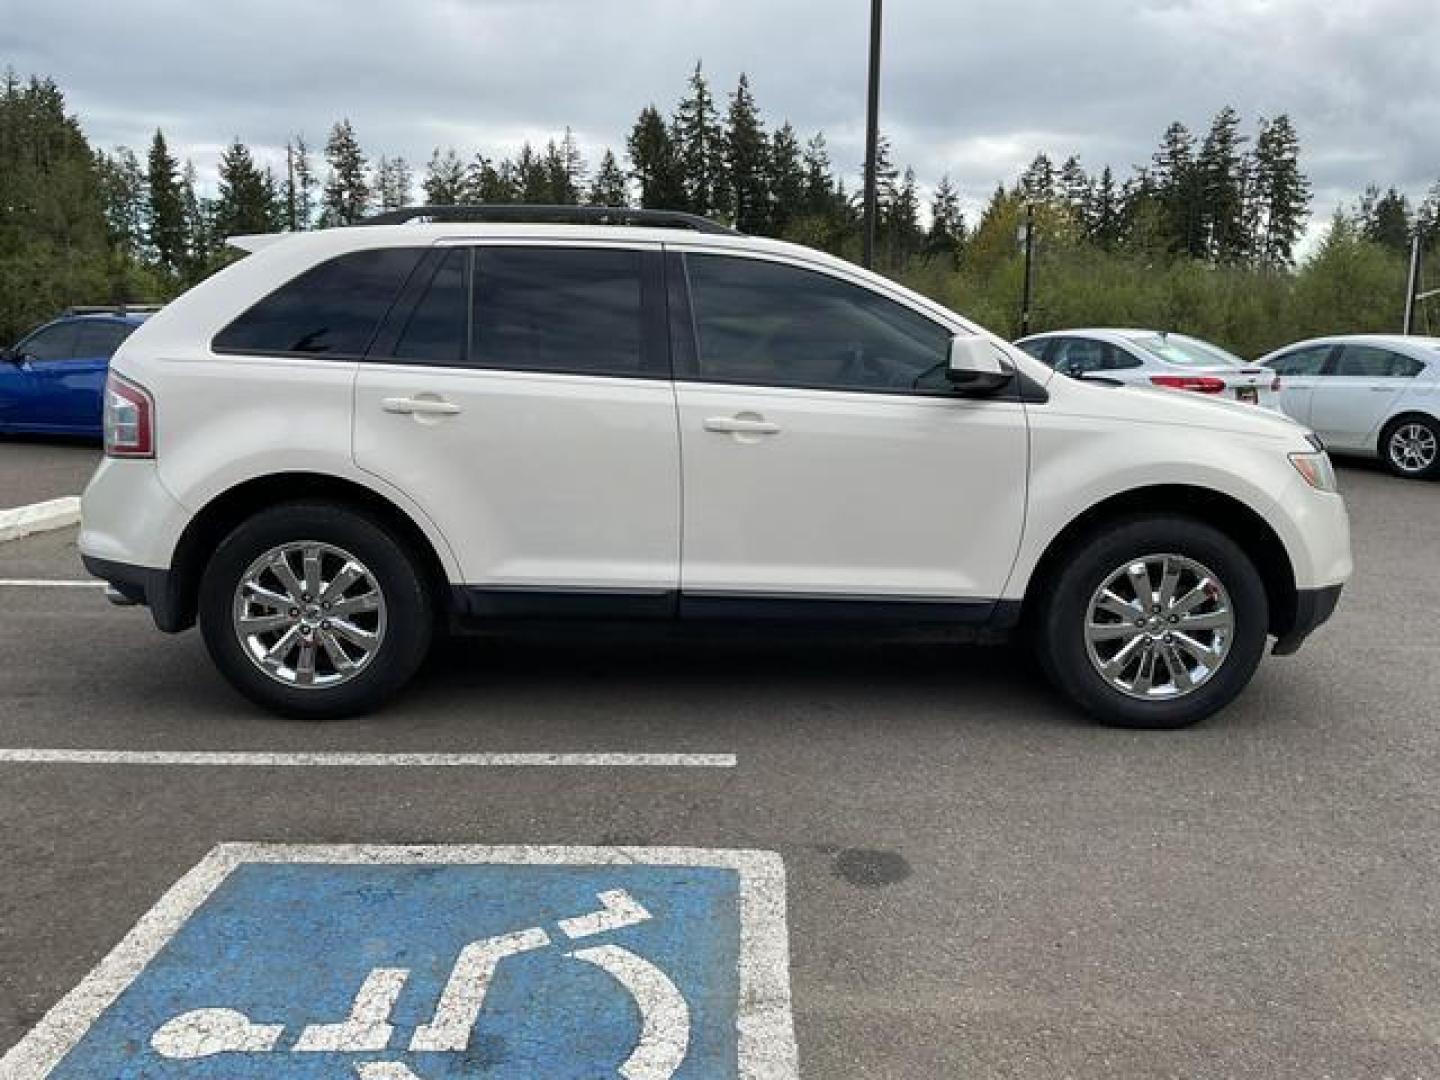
<point x="558" y="309"/>
<point x="332" y="309"/>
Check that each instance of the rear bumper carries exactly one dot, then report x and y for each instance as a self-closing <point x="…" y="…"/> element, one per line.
<point x="1312" y="608"/>
<point x="144" y="585"/>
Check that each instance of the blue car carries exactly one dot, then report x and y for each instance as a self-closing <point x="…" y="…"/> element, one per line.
<point x="53" y="381"/>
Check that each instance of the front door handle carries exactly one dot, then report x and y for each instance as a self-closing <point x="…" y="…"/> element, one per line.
<point x="424" y="406"/>
<point x="742" y="425"/>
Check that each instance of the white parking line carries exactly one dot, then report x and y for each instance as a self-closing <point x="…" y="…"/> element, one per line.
<point x="19" y="521"/>
<point x="350" y="759"/>
<point x="49" y="583"/>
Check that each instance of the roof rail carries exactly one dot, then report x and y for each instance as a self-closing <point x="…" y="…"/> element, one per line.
<point x="550" y="215"/>
<point x="111" y="309"/>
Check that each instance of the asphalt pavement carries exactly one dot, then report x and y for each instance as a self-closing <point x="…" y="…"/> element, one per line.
<point x="978" y="882"/>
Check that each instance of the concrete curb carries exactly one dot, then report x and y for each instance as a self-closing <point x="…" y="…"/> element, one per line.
<point x="39" y="517"/>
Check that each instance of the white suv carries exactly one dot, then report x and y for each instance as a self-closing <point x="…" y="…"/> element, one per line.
<point x="355" y="437"/>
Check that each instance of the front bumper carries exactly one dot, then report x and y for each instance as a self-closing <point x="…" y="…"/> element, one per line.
<point x="1312" y="608"/>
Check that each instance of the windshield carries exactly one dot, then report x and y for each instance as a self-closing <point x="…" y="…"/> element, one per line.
<point x="1186" y="351"/>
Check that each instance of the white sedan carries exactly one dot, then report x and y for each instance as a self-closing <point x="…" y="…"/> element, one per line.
<point x="1373" y="395"/>
<point x="1155" y="358"/>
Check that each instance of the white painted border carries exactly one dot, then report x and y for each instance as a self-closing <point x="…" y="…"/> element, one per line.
<point x="39" y="517"/>
<point x="363" y="759"/>
<point x="766" y="1033"/>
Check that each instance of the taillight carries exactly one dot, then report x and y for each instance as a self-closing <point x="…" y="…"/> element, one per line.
<point x="1201" y="384"/>
<point x="129" y="419"/>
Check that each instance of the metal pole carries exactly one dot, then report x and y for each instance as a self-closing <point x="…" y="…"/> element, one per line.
<point x="1029" y="272"/>
<point x="1412" y="283"/>
<point x="872" y="134"/>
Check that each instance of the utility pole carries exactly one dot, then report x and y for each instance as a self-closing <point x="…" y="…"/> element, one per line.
<point x="1027" y="237"/>
<point x="872" y="134"/>
<point x="1412" y="283"/>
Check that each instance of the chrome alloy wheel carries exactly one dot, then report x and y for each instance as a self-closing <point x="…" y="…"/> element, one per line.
<point x="1159" y="627"/>
<point x="309" y="614"/>
<point x="1413" y="448"/>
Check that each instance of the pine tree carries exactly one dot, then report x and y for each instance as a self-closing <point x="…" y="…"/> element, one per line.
<point x="947" y="224"/>
<point x="1220" y="169"/>
<point x="747" y="161"/>
<point x="900" y="223"/>
<point x="444" y="182"/>
<point x="1281" y="193"/>
<point x="1105" y="225"/>
<point x="245" y="202"/>
<point x="532" y="180"/>
<point x="574" y="169"/>
<point x="488" y="183"/>
<point x="394" y="180"/>
<point x="1073" y="189"/>
<point x="1037" y="182"/>
<point x="787" y="180"/>
<point x="700" y="146"/>
<point x="122" y="193"/>
<point x="609" y="188"/>
<point x="1175" y="182"/>
<point x="199" y="226"/>
<point x="558" y="189"/>
<point x="655" y="163"/>
<point x="166" y="217"/>
<point x="1385" y="219"/>
<point x="819" y="180"/>
<point x="347" y="191"/>
<point x="299" y="187"/>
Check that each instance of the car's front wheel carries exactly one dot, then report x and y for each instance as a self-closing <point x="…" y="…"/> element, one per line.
<point x="315" y="610"/>
<point x="1152" y="622"/>
<point x="1410" y="447"/>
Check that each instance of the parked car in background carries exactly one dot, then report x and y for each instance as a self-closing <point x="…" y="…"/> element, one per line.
<point x="52" y="381"/>
<point x="1155" y="358"/>
<point x="1374" y="395"/>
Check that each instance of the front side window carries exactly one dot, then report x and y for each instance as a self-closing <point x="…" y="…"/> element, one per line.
<point x="332" y="309"/>
<point x="52" y="343"/>
<point x="435" y="331"/>
<point x="1370" y="362"/>
<point x="1307" y="361"/>
<point x="575" y="310"/>
<point x="1082" y="356"/>
<point x="1036" y="348"/>
<point x="769" y="324"/>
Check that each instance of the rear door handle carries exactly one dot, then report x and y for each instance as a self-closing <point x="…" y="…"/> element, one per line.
<point x="423" y="406"/>
<point x="741" y="425"/>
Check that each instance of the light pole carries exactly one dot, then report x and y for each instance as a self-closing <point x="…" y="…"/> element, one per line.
<point x="1412" y="283"/>
<point x="872" y="134"/>
<point x="1027" y="240"/>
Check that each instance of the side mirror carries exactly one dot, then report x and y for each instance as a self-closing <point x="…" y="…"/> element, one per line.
<point x="975" y="366"/>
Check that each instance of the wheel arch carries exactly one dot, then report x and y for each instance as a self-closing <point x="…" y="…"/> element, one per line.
<point x="226" y="510"/>
<point x="1225" y="512"/>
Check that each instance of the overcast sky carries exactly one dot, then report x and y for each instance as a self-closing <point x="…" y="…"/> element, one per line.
<point x="971" y="87"/>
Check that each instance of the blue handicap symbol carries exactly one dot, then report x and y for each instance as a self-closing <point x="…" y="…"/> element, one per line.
<point x="433" y="971"/>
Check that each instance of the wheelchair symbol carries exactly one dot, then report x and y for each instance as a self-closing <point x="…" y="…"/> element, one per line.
<point x="660" y="1051"/>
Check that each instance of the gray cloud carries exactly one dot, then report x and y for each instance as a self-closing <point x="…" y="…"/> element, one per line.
<point x="973" y="89"/>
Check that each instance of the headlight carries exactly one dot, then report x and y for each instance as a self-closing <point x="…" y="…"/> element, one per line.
<point x="1316" y="469"/>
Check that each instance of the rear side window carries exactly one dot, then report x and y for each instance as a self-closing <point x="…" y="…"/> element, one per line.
<point x="52" y="343"/>
<point x="1367" y="361"/>
<point x="573" y="310"/>
<point x="330" y="310"/>
<point x="101" y="339"/>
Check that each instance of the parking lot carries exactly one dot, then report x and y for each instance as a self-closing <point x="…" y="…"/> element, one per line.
<point x="977" y="881"/>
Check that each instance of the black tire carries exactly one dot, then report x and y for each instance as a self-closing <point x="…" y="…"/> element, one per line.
<point x="1064" y="598"/>
<point x="1390" y="452"/>
<point x="409" y="609"/>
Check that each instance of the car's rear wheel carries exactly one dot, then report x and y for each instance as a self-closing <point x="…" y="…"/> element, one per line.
<point x="315" y="611"/>
<point x="1152" y="622"/>
<point x="1410" y="447"/>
